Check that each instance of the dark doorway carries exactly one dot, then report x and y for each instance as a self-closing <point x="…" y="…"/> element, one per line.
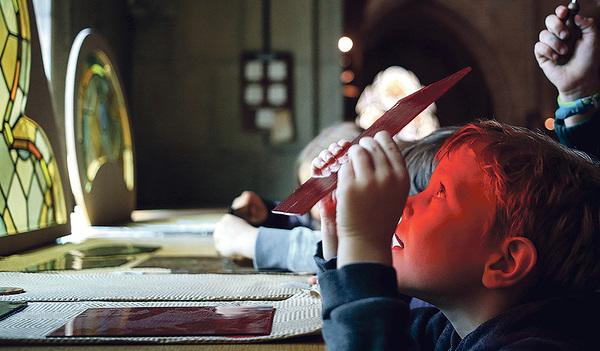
<point x="411" y="36"/>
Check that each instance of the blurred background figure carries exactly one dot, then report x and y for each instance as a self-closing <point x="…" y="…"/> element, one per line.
<point x="389" y="86"/>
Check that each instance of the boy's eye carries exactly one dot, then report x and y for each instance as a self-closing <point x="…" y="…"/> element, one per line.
<point x="441" y="192"/>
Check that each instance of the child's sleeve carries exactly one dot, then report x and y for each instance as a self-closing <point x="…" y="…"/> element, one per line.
<point x="286" y="249"/>
<point x="362" y="308"/>
<point x="583" y="136"/>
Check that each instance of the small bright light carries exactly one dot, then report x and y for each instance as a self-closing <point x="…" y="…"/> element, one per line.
<point x="350" y="91"/>
<point x="345" y="44"/>
<point x="347" y="76"/>
<point x="549" y="123"/>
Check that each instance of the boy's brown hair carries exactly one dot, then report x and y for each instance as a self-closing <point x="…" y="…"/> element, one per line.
<point x="545" y="192"/>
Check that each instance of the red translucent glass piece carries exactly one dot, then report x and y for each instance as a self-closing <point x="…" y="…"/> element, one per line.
<point x="396" y="118"/>
<point x="170" y="321"/>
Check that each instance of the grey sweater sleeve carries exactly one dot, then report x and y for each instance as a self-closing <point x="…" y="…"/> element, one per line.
<point x="286" y="249"/>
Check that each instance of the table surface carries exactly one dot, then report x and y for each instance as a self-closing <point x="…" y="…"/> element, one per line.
<point x="307" y="342"/>
<point x="304" y="343"/>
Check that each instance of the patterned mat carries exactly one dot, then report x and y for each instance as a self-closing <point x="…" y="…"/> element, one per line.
<point x="55" y="298"/>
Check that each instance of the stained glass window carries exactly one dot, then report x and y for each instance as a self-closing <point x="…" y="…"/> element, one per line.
<point x="105" y="134"/>
<point x="98" y="136"/>
<point x="31" y="192"/>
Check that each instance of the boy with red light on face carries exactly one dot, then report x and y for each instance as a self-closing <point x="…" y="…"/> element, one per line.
<point x="504" y="241"/>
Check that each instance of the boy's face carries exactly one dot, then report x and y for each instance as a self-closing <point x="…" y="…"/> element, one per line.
<point x="442" y="229"/>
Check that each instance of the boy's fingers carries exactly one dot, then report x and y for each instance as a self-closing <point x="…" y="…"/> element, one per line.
<point x="561" y="11"/>
<point x="543" y="53"/>
<point x="360" y="162"/>
<point x="388" y="145"/>
<point x="330" y="160"/>
<point x="319" y="165"/>
<point x="336" y="147"/>
<point x="553" y="42"/>
<point x="583" y="22"/>
<point x="556" y="26"/>
<point x="346" y="173"/>
<point x="377" y="156"/>
<point x="339" y="153"/>
<point x="391" y="150"/>
<point x="370" y="144"/>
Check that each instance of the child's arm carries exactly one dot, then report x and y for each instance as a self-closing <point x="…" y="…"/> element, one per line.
<point x="579" y="77"/>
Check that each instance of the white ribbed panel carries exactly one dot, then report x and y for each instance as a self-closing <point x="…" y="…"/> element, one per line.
<point x="149" y="287"/>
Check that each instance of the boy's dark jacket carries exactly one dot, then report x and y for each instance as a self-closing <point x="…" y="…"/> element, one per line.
<point x="362" y="310"/>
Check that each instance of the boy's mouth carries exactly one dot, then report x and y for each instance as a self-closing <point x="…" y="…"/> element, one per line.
<point x="396" y="242"/>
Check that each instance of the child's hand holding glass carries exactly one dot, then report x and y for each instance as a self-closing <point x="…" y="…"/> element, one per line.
<point x="359" y="219"/>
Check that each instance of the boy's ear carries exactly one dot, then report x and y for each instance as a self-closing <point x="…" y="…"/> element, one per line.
<point x="513" y="261"/>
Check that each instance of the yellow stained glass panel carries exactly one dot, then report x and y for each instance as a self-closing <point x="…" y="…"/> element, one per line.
<point x="10" y="15"/>
<point x="30" y="188"/>
<point x="9" y="59"/>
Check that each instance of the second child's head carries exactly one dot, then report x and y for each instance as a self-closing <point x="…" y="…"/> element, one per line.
<point x="506" y="208"/>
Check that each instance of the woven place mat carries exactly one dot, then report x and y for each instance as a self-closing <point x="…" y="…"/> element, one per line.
<point x="295" y="316"/>
<point x="56" y="298"/>
<point x="130" y="286"/>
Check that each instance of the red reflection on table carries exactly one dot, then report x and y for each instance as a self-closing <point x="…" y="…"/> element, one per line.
<point x="170" y="321"/>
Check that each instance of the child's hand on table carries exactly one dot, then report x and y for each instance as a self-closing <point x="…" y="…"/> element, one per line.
<point x="234" y="237"/>
<point x="250" y="207"/>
